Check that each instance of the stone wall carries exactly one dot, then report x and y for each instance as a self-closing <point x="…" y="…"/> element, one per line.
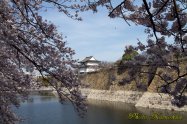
<point x="158" y="101"/>
<point x="117" y="96"/>
<point x="139" y="99"/>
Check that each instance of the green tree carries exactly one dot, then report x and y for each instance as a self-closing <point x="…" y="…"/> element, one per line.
<point x="129" y="53"/>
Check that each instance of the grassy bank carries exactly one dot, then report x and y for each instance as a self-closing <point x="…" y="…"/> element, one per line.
<point x="106" y="79"/>
<point x="109" y="78"/>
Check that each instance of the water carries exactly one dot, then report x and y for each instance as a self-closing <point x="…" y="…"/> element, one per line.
<point x="47" y="110"/>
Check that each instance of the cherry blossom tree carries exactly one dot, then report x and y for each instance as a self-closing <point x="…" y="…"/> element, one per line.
<point x="166" y="49"/>
<point x="29" y="43"/>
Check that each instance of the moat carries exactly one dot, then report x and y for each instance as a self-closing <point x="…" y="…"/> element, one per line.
<point x="47" y="110"/>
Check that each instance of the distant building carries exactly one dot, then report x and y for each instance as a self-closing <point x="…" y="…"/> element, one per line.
<point x="89" y="64"/>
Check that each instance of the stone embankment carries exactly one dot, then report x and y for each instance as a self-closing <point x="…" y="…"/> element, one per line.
<point x="158" y="101"/>
<point x="139" y="99"/>
<point x="117" y="96"/>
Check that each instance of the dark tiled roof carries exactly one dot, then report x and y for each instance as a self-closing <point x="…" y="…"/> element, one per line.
<point x="88" y="59"/>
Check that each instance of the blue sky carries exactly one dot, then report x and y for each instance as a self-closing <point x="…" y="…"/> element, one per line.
<point x="97" y="35"/>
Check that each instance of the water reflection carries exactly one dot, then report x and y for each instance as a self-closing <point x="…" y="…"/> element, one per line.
<point x="47" y="110"/>
<point x="112" y="105"/>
